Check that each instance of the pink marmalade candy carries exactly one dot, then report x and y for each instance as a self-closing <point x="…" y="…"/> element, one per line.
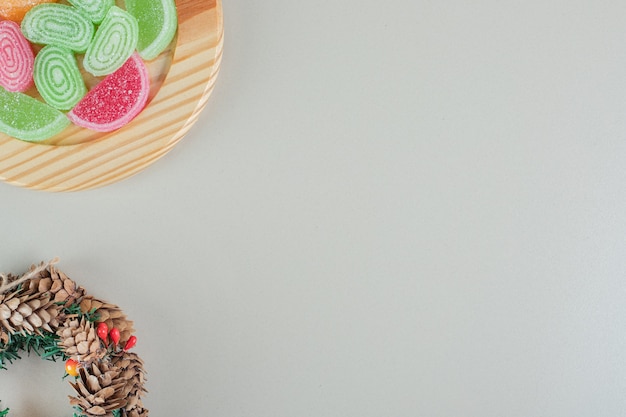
<point x="16" y="58"/>
<point x="116" y="100"/>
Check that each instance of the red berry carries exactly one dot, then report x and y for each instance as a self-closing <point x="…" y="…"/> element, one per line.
<point x="103" y="331"/>
<point x="132" y="341"/>
<point x="115" y="335"/>
<point x="71" y="367"/>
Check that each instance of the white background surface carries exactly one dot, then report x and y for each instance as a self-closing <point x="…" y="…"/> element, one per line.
<point x="400" y="208"/>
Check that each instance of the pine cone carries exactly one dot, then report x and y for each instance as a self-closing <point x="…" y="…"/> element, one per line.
<point x="110" y="314"/>
<point x="65" y="290"/>
<point x="101" y="389"/>
<point x="80" y="341"/>
<point x="131" y="367"/>
<point x="51" y="280"/>
<point x="27" y="314"/>
<point x="136" y="412"/>
<point x="32" y="302"/>
<point x="109" y="383"/>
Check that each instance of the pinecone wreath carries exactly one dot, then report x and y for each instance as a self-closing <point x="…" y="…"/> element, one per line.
<point x="45" y="312"/>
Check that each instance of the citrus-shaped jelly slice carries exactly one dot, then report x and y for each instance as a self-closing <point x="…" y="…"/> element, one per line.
<point x="157" y="21"/>
<point x="29" y="119"/>
<point x="116" y="100"/>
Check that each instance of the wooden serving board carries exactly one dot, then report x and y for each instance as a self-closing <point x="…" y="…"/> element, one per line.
<point x="182" y="80"/>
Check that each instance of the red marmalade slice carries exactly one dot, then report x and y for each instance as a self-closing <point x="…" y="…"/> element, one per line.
<point x="116" y="100"/>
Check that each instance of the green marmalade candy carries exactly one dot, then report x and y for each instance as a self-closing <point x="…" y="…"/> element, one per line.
<point x="58" y="78"/>
<point x="95" y="10"/>
<point x="58" y="24"/>
<point x="26" y="118"/>
<point x="114" y="42"/>
<point x="157" y="25"/>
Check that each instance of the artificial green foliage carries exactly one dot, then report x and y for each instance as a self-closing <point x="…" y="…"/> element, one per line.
<point x="44" y="345"/>
<point x="79" y="413"/>
<point x="74" y="310"/>
<point x="50" y="346"/>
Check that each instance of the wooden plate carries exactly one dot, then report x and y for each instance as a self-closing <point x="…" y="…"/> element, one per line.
<point x="79" y="159"/>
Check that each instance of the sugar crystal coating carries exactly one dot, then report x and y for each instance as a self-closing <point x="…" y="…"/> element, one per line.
<point x="95" y="10"/>
<point x="114" y="42"/>
<point x="157" y="21"/>
<point x="16" y="58"/>
<point x="58" y="24"/>
<point x="16" y="9"/>
<point x="58" y="78"/>
<point x="108" y="36"/>
<point x="26" y="118"/>
<point x="116" y="100"/>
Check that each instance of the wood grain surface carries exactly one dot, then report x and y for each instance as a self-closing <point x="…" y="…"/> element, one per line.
<point x="182" y="79"/>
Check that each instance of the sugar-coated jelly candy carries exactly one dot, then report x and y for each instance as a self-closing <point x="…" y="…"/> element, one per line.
<point x="114" y="42"/>
<point x="58" y="78"/>
<point x="29" y="119"/>
<point x="157" y="21"/>
<point x="116" y="100"/>
<point x="16" y="9"/>
<point x="16" y="58"/>
<point x="95" y="10"/>
<point x="60" y="25"/>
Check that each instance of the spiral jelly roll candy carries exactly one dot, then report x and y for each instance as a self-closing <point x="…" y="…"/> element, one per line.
<point x="114" y="42"/>
<point x="16" y="58"/>
<point x="158" y="22"/>
<point x="58" y="78"/>
<point x="58" y="24"/>
<point x="96" y="10"/>
<point x="26" y="118"/>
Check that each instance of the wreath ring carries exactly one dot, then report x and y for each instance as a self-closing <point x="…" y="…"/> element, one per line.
<point x="45" y="312"/>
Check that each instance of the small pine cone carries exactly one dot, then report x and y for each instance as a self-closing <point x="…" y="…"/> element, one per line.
<point x="100" y="389"/>
<point x="132" y="370"/>
<point x="64" y="290"/>
<point x="32" y="302"/>
<point x="110" y="314"/>
<point x="30" y="313"/>
<point x="80" y="341"/>
<point x="6" y="281"/>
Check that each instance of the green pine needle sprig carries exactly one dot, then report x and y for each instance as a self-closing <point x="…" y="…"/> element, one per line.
<point x="74" y="310"/>
<point x="79" y="412"/>
<point x="44" y="345"/>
